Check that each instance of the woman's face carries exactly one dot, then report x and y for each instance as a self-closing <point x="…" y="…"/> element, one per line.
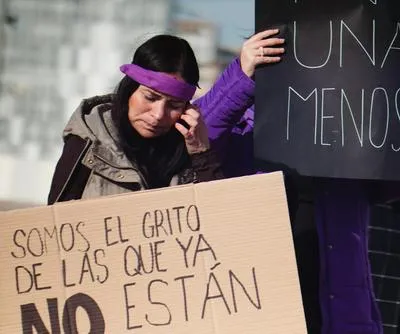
<point x="152" y="113"/>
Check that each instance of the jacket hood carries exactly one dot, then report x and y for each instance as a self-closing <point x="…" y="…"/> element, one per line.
<point x="86" y="120"/>
<point x="92" y="121"/>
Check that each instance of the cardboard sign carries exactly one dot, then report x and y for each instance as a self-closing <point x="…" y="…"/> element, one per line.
<point x="331" y="107"/>
<point x="213" y="257"/>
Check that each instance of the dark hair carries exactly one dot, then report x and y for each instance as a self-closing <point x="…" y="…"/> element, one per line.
<point x="162" y="157"/>
<point x="169" y="54"/>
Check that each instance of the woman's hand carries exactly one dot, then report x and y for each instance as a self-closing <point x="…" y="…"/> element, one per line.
<point x="261" y="48"/>
<point x="196" y="136"/>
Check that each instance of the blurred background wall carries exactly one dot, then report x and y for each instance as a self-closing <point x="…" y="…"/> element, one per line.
<point x="53" y="53"/>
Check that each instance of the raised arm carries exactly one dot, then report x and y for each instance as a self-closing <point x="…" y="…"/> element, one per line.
<point x="233" y="92"/>
<point x="224" y="104"/>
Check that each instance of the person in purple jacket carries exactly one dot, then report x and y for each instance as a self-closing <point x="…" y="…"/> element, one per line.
<point x="341" y="214"/>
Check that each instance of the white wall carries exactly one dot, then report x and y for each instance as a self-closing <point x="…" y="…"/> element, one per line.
<point x="55" y="54"/>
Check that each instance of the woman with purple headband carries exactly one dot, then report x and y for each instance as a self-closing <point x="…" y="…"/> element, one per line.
<point x="147" y="134"/>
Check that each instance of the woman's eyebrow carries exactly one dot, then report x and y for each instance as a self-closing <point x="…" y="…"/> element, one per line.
<point x="159" y="95"/>
<point x="153" y="93"/>
<point x="148" y="90"/>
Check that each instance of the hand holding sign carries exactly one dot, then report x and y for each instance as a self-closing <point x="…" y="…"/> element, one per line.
<point x="261" y="48"/>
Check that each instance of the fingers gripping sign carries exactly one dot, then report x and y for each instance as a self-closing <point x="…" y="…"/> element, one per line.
<point x="261" y="48"/>
<point x="195" y="134"/>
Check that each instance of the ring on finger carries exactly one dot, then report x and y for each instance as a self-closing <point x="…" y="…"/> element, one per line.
<point x="261" y="51"/>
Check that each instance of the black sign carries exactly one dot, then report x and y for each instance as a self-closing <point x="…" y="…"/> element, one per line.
<point x="331" y="107"/>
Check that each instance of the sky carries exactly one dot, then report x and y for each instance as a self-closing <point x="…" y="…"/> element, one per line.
<point x="235" y="17"/>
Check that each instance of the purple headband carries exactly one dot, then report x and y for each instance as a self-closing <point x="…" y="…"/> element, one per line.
<point x="159" y="81"/>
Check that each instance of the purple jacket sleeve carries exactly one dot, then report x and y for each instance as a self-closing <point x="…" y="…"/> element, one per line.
<point x="225" y="103"/>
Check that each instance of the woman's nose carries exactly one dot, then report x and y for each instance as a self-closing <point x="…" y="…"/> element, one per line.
<point x="158" y="111"/>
